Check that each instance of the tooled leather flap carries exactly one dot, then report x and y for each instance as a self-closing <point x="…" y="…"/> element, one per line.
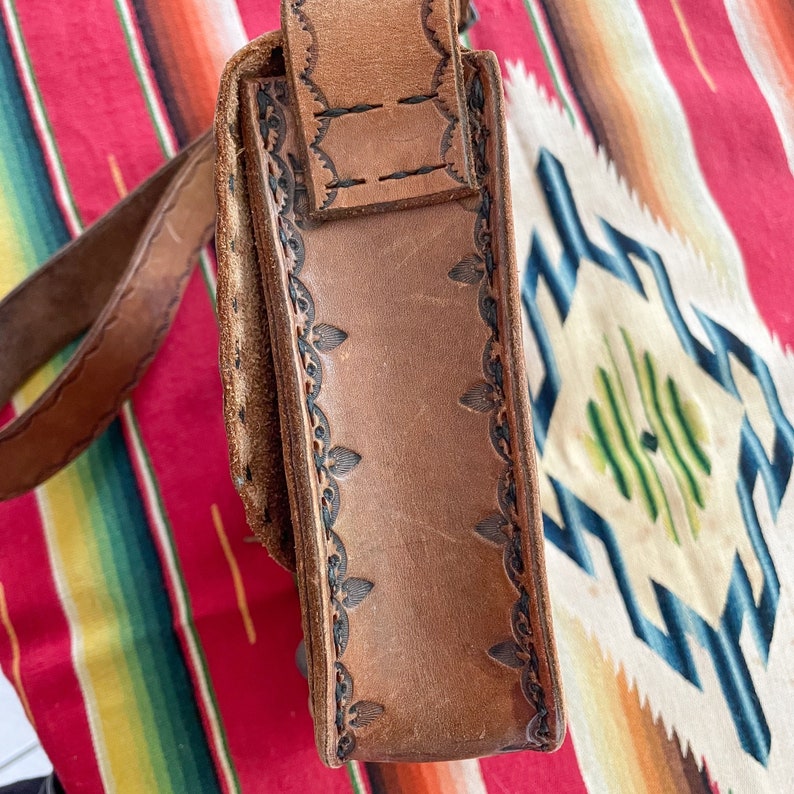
<point x="379" y="98"/>
<point x="407" y="449"/>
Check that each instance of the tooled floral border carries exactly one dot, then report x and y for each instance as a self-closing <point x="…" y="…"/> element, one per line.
<point x="328" y="114"/>
<point x="331" y="463"/>
<point x="503" y="527"/>
<point x="289" y="192"/>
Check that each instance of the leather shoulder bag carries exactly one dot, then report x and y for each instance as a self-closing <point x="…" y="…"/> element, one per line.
<point x="371" y="357"/>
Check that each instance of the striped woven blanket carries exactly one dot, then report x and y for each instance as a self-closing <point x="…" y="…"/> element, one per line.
<point x="652" y="151"/>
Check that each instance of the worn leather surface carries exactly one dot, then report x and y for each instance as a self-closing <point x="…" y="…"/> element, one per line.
<point x="378" y="97"/>
<point x="121" y="282"/>
<point x="376" y="408"/>
<point x="403" y="414"/>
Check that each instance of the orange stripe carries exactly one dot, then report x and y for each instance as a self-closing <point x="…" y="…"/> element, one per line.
<point x="691" y="46"/>
<point x="599" y="87"/>
<point x="644" y="738"/>
<point x="16" y="667"/>
<point x="195" y="38"/>
<point x="237" y="579"/>
<point x="434" y="778"/>
<point x="118" y="177"/>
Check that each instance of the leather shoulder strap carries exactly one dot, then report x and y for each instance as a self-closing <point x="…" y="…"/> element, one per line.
<point x="120" y="282"/>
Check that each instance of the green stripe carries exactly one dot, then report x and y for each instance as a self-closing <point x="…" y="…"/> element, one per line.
<point x="602" y="438"/>
<point x="134" y="579"/>
<point x="108" y="509"/>
<point x="140" y="73"/>
<point x="650" y="372"/>
<point x="639" y="454"/>
<point x="354" y="773"/>
<point x="646" y="380"/>
<point x="555" y="77"/>
<point x="701" y="459"/>
<point x="35" y="98"/>
<point x="24" y="180"/>
<point x="626" y="430"/>
<point x="189" y="625"/>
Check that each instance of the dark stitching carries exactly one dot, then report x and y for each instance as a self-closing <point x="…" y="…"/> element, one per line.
<point x="502" y="528"/>
<point x="425" y="169"/>
<point x="421" y="171"/>
<point x="340" y="183"/>
<point x="330" y="462"/>
<point x="328" y="114"/>
<point x="417" y="100"/>
<point x="438" y="45"/>
<point x="333" y="113"/>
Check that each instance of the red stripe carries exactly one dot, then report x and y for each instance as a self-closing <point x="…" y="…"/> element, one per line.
<point x="259" y="16"/>
<point x="94" y="103"/>
<point x="95" y="107"/>
<point x="505" y="27"/>
<point x="42" y="629"/>
<point x="557" y="773"/>
<point x="739" y="148"/>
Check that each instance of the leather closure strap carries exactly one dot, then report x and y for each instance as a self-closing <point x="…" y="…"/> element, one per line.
<point x="378" y="89"/>
<point x="122" y="281"/>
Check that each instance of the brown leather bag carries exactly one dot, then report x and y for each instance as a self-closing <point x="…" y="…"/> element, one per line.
<point x="371" y="358"/>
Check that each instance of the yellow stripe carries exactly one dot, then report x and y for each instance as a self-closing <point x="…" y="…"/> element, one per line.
<point x="16" y="671"/>
<point x="118" y="177"/>
<point x="644" y="123"/>
<point x="603" y="744"/>
<point x="97" y="648"/>
<point x="12" y="248"/>
<point x="237" y="579"/>
<point x="690" y="45"/>
<point x="98" y="656"/>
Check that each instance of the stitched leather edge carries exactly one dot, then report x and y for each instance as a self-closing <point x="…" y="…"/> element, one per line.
<point x="255" y="448"/>
<point x="428" y="7"/>
<point x="106" y="320"/>
<point x="330" y="462"/>
<point x="296" y="7"/>
<point x="518" y="652"/>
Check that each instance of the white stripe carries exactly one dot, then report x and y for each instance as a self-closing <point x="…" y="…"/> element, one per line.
<point x="152" y="95"/>
<point x="41" y="123"/>
<point x="549" y="47"/>
<point x="226" y="23"/>
<point x="468" y="777"/>
<point x="157" y="112"/>
<point x="205" y="263"/>
<point x="759" y="53"/>
<point x="184" y="617"/>
<point x="357" y="777"/>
